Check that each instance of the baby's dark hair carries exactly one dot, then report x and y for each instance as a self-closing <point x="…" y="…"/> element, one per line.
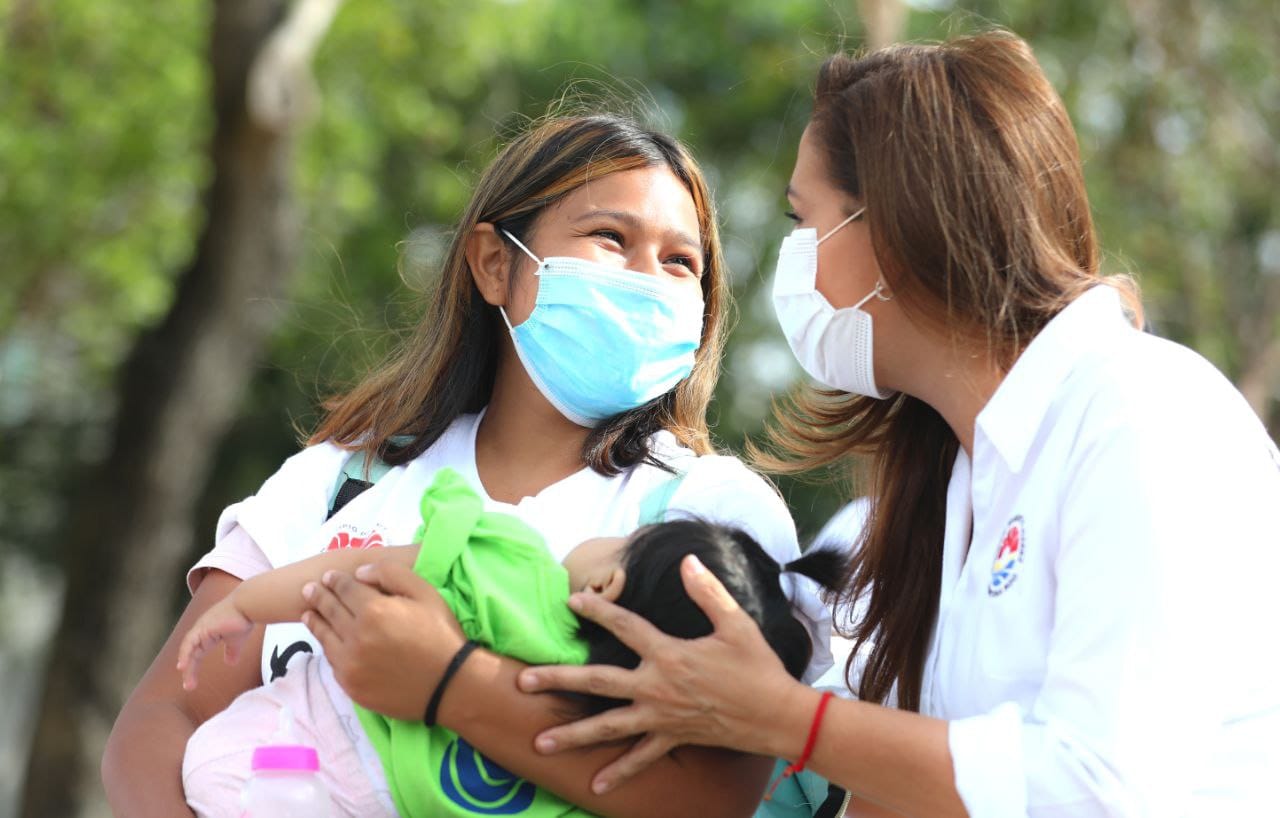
<point x="654" y="590"/>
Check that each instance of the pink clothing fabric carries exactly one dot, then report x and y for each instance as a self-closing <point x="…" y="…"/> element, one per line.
<point x="216" y="765"/>
<point x="236" y="553"/>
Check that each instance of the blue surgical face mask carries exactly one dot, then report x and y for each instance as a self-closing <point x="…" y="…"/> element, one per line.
<point x="603" y="340"/>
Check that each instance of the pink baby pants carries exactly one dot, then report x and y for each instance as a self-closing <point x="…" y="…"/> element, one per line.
<point x="216" y="765"/>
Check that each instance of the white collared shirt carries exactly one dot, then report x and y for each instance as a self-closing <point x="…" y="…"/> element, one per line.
<point x="1106" y="641"/>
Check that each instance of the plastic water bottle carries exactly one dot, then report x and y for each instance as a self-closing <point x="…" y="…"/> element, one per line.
<point x="285" y="783"/>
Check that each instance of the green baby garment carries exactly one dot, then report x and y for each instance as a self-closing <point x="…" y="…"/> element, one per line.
<point x="509" y="594"/>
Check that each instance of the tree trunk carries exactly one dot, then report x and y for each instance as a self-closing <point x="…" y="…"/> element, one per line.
<point x="883" y="20"/>
<point x="1258" y="382"/>
<point x="130" y="528"/>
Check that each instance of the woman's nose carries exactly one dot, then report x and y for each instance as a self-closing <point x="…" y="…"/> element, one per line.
<point x="646" y="259"/>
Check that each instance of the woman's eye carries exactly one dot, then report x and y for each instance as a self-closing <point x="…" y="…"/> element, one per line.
<point x="792" y="215"/>
<point x="685" y="262"/>
<point x="612" y="235"/>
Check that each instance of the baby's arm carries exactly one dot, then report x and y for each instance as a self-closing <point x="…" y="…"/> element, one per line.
<point x="274" y="596"/>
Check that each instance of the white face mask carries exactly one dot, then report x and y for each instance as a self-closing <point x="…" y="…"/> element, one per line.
<point x="833" y="346"/>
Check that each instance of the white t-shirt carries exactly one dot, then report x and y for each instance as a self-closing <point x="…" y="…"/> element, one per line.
<point x="285" y="520"/>
<point x="1106" y="637"/>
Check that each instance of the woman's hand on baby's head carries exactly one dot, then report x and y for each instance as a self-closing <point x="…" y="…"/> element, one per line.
<point x="221" y="623"/>
<point x="682" y="692"/>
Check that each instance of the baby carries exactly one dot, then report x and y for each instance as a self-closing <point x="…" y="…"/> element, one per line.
<point x="507" y="592"/>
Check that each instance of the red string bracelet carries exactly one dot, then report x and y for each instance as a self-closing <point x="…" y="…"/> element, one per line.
<point x="798" y="766"/>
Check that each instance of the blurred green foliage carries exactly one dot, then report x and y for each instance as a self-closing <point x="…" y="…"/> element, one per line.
<point x="102" y="162"/>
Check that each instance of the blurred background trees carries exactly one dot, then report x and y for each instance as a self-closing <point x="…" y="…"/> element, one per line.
<point x="109" y="166"/>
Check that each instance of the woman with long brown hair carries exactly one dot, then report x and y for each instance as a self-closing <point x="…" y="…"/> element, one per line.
<point x="563" y="367"/>
<point x="1068" y="573"/>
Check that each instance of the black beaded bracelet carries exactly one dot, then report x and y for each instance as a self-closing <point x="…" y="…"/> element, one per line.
<point x="429" y="718"/>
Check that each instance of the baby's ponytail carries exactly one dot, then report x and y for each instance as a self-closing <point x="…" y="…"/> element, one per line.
<point x="825" y="565"/>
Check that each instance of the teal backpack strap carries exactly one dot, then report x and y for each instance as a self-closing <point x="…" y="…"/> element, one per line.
<point x="355" y="468"/>
<point x="803" y="795"/>
<point x="653" y="508"/>
<point x="355" y="478"/>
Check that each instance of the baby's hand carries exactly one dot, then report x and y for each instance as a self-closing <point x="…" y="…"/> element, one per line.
<point x="222" y="623"/>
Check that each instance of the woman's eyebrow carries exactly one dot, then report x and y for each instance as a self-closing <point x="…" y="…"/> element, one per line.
<point x="634" y="222"/>
<point x="792" y="193"/>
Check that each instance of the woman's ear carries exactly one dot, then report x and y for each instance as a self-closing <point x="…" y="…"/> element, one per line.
<point x="489" y="260"/>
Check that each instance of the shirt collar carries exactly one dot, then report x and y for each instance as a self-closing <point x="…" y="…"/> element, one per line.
<point x="1013" y="416"/>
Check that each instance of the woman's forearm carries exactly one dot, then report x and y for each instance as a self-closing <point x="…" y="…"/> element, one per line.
<point x="153" y="738"/>
<point x="142" y="761"/>
<point x="483" y="705"/>
<point x="894" y="758"/>
<point x="276" y="596"/>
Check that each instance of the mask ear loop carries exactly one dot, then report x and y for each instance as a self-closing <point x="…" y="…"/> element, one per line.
<point x="833" y="230"/>
<point x="877" y="293"/>
<point x="537" y="260"/>
<point x="526" y="250"/>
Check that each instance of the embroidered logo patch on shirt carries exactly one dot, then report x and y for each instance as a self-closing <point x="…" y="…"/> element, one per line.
<point x="1009" y="558"/>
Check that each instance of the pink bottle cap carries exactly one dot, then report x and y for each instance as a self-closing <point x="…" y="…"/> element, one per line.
<point x="285" y="757"/>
